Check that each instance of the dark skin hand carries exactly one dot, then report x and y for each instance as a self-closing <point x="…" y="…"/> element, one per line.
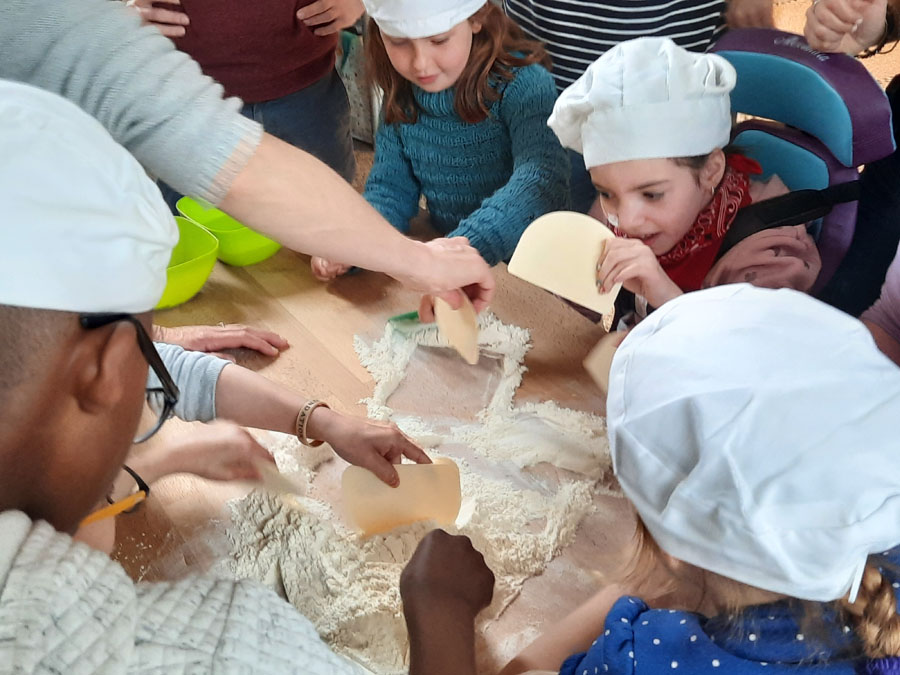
<point x="444" y="586"/>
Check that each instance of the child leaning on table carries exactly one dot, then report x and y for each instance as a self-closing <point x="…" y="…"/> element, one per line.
<point x="466" y="100"/>
<point x="653" y="122"/>
<point x="761" y="471"/>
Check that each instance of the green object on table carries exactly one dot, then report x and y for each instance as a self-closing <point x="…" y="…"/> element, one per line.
<point x="409" y="316"/>
<point x="238" y="244"/>
<point x="191" y="263"/>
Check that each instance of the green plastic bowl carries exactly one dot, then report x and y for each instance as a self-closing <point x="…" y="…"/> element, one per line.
<point x="190" y="265"/>
<point x="238" y="244"/>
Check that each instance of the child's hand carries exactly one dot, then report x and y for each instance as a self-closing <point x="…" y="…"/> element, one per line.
<point x="324" y="270"/>
<point x="214" y="339"/>
<point x="169" y="22"/>
<point x="631" y="262"/>
<point x="217" y="451"/>
<point x="371" y="445"/>
<point x="445" y="570"/>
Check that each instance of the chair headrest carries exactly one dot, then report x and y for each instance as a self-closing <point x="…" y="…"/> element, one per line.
<point x="830" y="96"/>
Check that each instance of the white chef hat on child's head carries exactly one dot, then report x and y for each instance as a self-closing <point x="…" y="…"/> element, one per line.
<point x="83" y="227"/>
<point x="646" y="99"/>
<point x="755" y="431"/>
<point x="413" y="19"/>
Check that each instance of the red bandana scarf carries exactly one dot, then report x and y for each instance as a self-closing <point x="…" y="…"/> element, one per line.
<point x="691" y="259"/>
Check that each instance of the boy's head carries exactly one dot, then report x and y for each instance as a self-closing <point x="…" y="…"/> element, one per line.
<point x="754" y="431"/>
<point x="84" y="232"/>
<point x="650" y="119"/>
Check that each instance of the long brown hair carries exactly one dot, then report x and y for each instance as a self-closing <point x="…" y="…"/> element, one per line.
<point x="497" y="48"/>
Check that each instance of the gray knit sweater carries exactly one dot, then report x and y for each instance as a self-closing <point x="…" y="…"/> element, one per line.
<point x="152" y="98"/>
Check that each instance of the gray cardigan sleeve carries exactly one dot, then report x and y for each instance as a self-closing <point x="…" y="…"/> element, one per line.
<point x="195" y="374"/>
<point x="151" y="98"/>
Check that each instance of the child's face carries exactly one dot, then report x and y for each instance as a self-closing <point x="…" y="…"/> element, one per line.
<point x="433" y="63"/>
<point x="654" y="200"/>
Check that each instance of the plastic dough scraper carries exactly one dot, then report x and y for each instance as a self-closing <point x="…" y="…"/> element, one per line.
<point x="426" y="492"/>
<point x="559" y="252"/>
<point x="459" y="327"/>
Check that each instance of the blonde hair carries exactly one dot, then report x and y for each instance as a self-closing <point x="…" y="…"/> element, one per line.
<point x="874" y="614"/>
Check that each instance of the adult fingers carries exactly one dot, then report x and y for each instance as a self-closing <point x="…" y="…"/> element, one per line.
<point x="314" y="9"/>
<point x="156" y="15"/>
<point x="426" y="309"/>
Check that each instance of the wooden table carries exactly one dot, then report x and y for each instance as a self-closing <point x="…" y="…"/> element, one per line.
<point x="179" y="530"/>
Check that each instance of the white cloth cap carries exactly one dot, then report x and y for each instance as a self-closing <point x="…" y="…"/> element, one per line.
<point x="413" y="19"/>
<point x="756" y="433"/>
<point x="646" y="99"/>
<point x="82" y="227"/>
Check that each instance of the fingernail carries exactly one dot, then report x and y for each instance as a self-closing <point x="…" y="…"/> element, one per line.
<point x="301" y="14"/>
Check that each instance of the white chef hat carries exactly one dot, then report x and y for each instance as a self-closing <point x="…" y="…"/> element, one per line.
<point x="646" y="99"/>
<point x="755" y="431"/>
<point x="420" y="18"/>
<point x="82" y="227"/>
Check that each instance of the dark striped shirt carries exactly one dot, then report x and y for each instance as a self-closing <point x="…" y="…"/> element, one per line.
<point x="577" y="32"/>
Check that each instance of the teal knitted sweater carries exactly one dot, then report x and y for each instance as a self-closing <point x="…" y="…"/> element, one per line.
<point x="485" y="181"/>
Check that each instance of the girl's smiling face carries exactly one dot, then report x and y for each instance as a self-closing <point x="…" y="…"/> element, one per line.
<point x="433" y="63"/>
<point x="654" y="200"/>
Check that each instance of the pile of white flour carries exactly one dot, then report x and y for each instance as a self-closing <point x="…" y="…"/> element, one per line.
<point x="348" y="586"/>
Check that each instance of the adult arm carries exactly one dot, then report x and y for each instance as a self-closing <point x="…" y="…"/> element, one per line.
<point x="540" y="179"/>
<point x="883" y="318"/>
<point x="156" y="103"/>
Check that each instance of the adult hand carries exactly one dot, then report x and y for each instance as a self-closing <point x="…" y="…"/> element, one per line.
<point x="325" y="17"/>
<point x="633" y="263"/>
<point x="213" y="339"/>
<point x="446" y="572"/>
<point x="845" y="25"/>
<point x="325" y="270"/>
<point x="448" y="268"/>
<point x="371" y="445"/>
<point x="169" y="22"/>
<point x="750" y="14"/>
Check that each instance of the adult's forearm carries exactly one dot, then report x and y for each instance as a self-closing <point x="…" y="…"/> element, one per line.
<point x="151" y="98"/>
<point x="299" y="201"/>
<point x="251" y="400"/>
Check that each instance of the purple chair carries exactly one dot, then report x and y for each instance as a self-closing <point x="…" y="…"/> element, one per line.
<point x="825" y="116"/>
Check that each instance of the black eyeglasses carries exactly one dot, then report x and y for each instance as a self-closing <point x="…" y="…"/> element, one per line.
<point x="161" y="399"/>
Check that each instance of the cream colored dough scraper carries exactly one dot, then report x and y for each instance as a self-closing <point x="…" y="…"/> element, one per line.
<point x="275" y="482"/>
<point x="559" y="252"/>
<point x="426" y="492"/>
<point x="459" y="327"/>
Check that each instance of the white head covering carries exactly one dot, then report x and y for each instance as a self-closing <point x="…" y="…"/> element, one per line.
<point x="756" y="433"/>
<point x="420" y="18"/>
<point x="82" y="227"/>
<point x="646" y="99"/>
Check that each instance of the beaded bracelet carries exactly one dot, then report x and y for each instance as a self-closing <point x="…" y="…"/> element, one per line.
<point x="303" y="421"/>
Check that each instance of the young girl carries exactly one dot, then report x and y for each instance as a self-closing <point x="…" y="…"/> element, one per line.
<point x="653" y="121"/>
<point x="466" y="99"/>
<point x="761" y="470"/>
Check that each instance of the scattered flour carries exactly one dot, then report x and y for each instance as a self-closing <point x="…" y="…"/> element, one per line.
<point x="348" y="586"/>
<point x="526" y="434"/>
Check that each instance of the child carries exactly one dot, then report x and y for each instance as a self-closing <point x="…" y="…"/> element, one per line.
<point x="761" y="470"/>
<point x="466" y="99"/>
<point x="652" y="120"/>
